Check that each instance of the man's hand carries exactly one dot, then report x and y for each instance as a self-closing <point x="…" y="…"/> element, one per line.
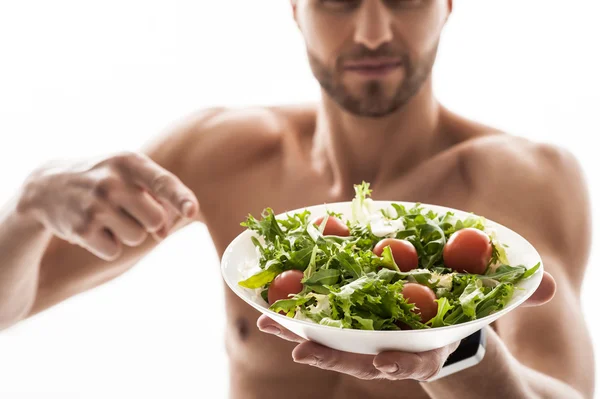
<point x="387" y="365"/>
<point x="103" y="205"/>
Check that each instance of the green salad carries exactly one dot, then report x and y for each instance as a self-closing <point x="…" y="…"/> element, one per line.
<point x="386" y="269"/>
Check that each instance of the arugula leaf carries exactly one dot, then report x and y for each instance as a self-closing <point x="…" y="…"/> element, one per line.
<point x="295" y="222"/>
<point x="315" y="234"/>
<point x="300" y="259"/>
<point x="263" y="277"/>
<point x="324" y="277"/>
<point x="364" y="238"/>
<point x="395" y="211"/>
<point x="268" y="227"/>
<point x="400" y="210"/>
<point x="531" y="272"/>
<point x="319" y="289"/>
<point x="265" y="294"/>
<point x="507" y="273"/>
<point x="257" y="244"/>
<point x="495" y="300"/>
<point x="421" y="276"/>
<point x="311" y="268"/>
<point x="349" y="264"/>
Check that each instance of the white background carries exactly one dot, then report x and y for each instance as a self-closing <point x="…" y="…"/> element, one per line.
<point x="80" y="78"/>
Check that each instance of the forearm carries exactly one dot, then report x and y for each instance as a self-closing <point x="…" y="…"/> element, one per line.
<point x="22" y="244"/>
<point x="499" y="375"/>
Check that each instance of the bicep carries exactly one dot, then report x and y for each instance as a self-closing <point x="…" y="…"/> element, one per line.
<point x="553" y="339"/>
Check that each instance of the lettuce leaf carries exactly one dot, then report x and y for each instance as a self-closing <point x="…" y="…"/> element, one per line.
<point x="444" y="306"/>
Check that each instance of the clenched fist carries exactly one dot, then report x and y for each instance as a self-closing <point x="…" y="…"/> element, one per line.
<point x="103" y="205"/>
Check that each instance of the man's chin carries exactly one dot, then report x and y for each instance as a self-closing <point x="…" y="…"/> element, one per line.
<point x="370" y="109"/>
<point x="369" y="105"/>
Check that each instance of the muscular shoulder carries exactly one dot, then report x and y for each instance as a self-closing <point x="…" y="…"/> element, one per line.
<point x="516" y="160"/>
<point x="538" y="187"/>
<point x="218" y="143"/>
<point x="219" y="152"/>
<point x="218" y="140"/>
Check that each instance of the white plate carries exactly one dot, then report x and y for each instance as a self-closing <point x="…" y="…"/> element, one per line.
<point x="241" y="252"/>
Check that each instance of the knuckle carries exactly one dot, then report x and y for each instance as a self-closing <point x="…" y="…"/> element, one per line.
<point x="82" y="229"/>
<point x="368" y="374"/>
<point x="328" y="361"/>
<point x="91" y="213"/>
<point x="125" y="160"/>
<point x="125" y="157"/>
<point x="105" y="185"/>
<point x="161" y="183"/>
<point x="90" y="216"/>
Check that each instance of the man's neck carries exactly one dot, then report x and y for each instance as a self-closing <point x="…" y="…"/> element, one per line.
<point x="350" y="149"/>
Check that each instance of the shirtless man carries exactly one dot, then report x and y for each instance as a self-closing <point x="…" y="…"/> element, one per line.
<point x="75" y="225"/>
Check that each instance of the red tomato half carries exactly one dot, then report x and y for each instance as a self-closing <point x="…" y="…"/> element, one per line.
<point x="468" y="250"/>
<point x="404" y="253"/>
<point x="424" y="299"/>
<point x="333" y="227"/>
<point x="288" y="282"/>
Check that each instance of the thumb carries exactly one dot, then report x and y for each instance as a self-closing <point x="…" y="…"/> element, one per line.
<point x="544" y="293"/>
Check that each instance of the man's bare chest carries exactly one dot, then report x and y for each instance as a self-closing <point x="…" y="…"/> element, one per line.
<point x="439" y="182"/>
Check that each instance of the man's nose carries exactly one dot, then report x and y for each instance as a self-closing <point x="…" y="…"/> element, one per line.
<point x="373" y="24"/>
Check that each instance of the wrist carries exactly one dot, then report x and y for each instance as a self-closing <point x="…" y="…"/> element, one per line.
<point x="24" y="207"/>
<point x="496" y="374"/>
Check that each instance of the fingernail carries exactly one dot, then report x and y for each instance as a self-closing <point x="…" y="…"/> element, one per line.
<point x="187" y="208"/>
<point x="271" y="330"/>
<point x="389" y="368"/>
<point x="311" y="360"/>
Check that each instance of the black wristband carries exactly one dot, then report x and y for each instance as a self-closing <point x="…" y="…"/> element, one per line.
<point x="468" y="354"/>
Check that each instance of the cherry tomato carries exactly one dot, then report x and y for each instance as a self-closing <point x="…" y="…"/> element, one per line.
<point x="333" y="227"/>
<point x="424" y="299"/>
<point x="403" y="326"/>
<point x="404" y="253"/>
<point x="288" y="282"/>
<point x="468" y="250"/>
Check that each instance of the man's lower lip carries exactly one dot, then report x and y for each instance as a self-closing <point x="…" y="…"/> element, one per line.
<point x="374" y="71"/>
